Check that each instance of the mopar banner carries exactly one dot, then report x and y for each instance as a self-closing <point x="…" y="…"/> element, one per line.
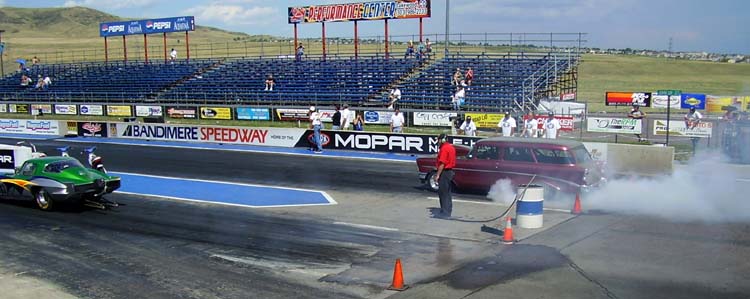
<point x="216" y="113"/>
<point x="18" y="108"/>
<point x="293" y="114"/>
<point x="7" y="159"/>
<point x="91" y="110"/>
<point x="92" y="129"/>
<point x="693" y="100"/>
<point x="282" y="137"/>
<point x="614" y="125"/>
<point x="148" y="111"/>
<point x="182" y="112"/>
<point x="248" y="113"/>
<point x="35" y="127"/>
<point x="485" y="120"/>
<point x="642" y="99"/>
<point x="381" y="142"/>
<point x="115" y="110"/>
<point x="378" y="117"/>
<point x="566" y="122"/>
<point x="150" y="26"/>
<point x="66" y="109"/>
<point x="43" y="108"/>
<point x="661" y="101"/>
<point x="434" y="119"/>
<point x="679" y="128"/>
<point x="396" y="9"/>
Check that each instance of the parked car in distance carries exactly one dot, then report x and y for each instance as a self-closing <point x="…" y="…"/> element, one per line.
<point x="559" y="165"/>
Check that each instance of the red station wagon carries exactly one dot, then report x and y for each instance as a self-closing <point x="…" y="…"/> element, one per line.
<point x="559" y="165"/>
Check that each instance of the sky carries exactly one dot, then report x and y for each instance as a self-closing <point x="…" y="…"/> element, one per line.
<point x="719" y="26"/>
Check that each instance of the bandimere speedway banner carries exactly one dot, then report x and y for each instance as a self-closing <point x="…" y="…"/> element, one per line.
<point x="360" y="11"/>
<point x="679" y="128"/>
<point x="614" y="125"/>
<point x="31" y="127"/>
<point x="281" y="137"/>
<point x="382" y="142"/>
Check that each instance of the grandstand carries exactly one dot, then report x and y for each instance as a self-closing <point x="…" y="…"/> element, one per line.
<point x="502" y="81"/>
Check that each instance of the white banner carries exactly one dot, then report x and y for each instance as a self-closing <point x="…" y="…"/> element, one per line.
<point x="32" y="127"/>
<point x="3" y="108"/>
<point x="660" y="101"/>
<point x="327" y="115"/>
<point x="434" y="119"/>
<point x="378" y="117"/>
<point x="145" y="111"/>
<point x="45" y="108"/>
<point x="92" y="110"/>
<point x="679" y="128"/>
<point x="614" y="125"/>
<point x="281" y="137"/>
<point x="66" y="109"/>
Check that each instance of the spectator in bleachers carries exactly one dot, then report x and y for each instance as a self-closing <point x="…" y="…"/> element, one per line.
<point x="25" y="81"/>
<point x="359" y="123"/>
<point x="457" y="77"/>
<point x="34" y="61"/>
<point x="409" y="50"/>
<point x="393" y="97"/>
<point x="469" y="127"/>
<point x="397" y="122"/>
<point x="300" y="52"/>
<point x="421" y="51"/>
<point x="173" y="55"/>
<point x="39" y="82"/>
<point x="469" y="76"/>
<point x="47" y="82"/>
<point x="458" y="98"/>
<point x="346" y="117"/>
<point x="270" y="82"/>
<point x="530" y="126"/>
<point x="336" y="118"/>
<point x="428" y="47"/>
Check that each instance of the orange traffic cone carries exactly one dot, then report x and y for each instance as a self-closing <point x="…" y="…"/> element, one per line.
<point x="508" y="233"/>
<point x="398" y="278"/>
<point x="577" y="204"/>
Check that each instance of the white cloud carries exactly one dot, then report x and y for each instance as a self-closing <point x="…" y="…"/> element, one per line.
<point x="109" y="4"/>
<point x="539" y="9"/>
<point x="232" y="14"/>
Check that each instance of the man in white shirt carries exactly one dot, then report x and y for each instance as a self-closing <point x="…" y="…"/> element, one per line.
<point x="693" y="118"/>
<point x="469" y="127"/>
<point x="397" y="122"/>
<point x="508" y="124"/>
<point x="459" y="98"/>
<point x="530" y="126"/>
<point x="316" y="125"/>
<point x="173" y="54"/>
<point x="394" y="96"/>
<point x="551" y="126"/>
<point x="346" y="117"/>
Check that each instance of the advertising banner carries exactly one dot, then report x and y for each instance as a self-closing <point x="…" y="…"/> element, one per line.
<point x="7" y="159"/>
<point x="182" y="112"/>
<point x="434" y="119"/>
<point x="382" y="142"/>
<point x="614" y="125"/>
<point x="378" y="117"/>
<point x="568" y="96"/>
<point x="566" y="122"/>
<point x="326" y="115"/>
<point x="32" y="127"/>
<point x="282" y="137"/>
<point x="72" y="128"/>
<point x="693" y="100"/>
<point x="148" y="111"/>
<point x="115" y="110"/>
<point x="642" y="99"/>
<point x="92" y="129"/>
<point x="485" y="120"/>
<point x="91" y="110"/>
<point x="360" y="11"/>
<point x="44" y="108"/>
<point x="150" y="26"/>
<point x="661" y="101"/>
<point x="249" y="113"/>
<point x="18" y="108"/>
<point x="66" y="109"/>
<point x="3" y="108"/>
<point x="216" y="113"/>
<point x="293" y="114"/>
<point x="721" y="104"/>
<point x="679" y="128"/>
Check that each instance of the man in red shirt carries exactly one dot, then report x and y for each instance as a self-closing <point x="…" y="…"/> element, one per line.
<point x="446" y="161"/>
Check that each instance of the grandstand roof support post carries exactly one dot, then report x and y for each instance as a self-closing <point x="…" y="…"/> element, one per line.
<point x="124" y="49"/>
<point x="164" y="38"/>
<point x="386" y="39"/>
<point x="187" y="45"/>
<point x="145" y="47"/>
<point x="296" y="41"/>
<point x="421" y="32"/>
<point x="324" y="40"/>
<point x="356" y="41"/>
<point x="106" y="51"/>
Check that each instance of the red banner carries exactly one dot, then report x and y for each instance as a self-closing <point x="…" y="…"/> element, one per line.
<point x="642" y="99"/>
<point x="361" y="11"/>
<point x="566" y="122"/>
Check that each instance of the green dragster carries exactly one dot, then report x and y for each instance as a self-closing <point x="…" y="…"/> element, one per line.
<point x="54" y="179"/>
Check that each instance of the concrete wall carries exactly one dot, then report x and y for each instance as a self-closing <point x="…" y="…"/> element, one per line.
<point x="633" y="159"/>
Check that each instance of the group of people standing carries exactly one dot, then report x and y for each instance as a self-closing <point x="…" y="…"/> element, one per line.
<point x="341" y="119"/>
<point x="550" y="126"/>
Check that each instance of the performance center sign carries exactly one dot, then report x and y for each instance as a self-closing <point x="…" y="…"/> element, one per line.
<point x="282" y="137"/>
<point x="642" y="99"/>
<point x="381" y="142"/>
<point x="150" y="26"/>
<point x="679" y="128"/>
<point x="360" y="11"/>
<point x="614" y="125"/>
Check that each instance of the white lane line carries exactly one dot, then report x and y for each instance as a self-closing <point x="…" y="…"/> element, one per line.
<point x="492" y="203"/>
<point x="223" y="203"/>
<point x="357" y="225"/>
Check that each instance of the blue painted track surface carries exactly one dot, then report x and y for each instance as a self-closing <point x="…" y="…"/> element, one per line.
<point x="220" y="192"/>
<point x="28" y="136"/>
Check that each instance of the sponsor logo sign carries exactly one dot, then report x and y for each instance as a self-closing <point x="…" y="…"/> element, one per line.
<point x="485" y="120"/>
<point x="44" y="108"/>
<point x="693" y="100"/>
<point x="146" y="111"/>
<point x="642" y="99"/>
<point x="7" y="159"/>
<point x="18" y="108"/>
<point x="119" y="110"/>
<point x="661" y="101"/>
<point x="32" y="127"/>
<point x="91" y="109"/>
<point x="434" y="119"/>
<point x="293" y="114"/>
<point x="378" y="117"/>
<point x="396" y="9"/>
<point x="248" y="113"/>
<point x="216" y="113"/>
<point x="92" y="129"/>
<point x="3" y="108"/>
<point x="66" y="109"/>
<point x="326" y="115"/>
<point x="382" y="142"/>
<point x="568" y="96"/>
<point x="72" y="128"/>
<point x="615" y="125"/>
<point x="719" y="104"/>
<point x="149" y="26"/>
<point x="182" y="112"/>
<point x="283" y="137"/>
<point x="679" y="128"/>
<point x="566" y="122"/>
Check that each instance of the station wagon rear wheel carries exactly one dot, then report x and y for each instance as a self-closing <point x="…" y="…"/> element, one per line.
<point x="43" y="200"/>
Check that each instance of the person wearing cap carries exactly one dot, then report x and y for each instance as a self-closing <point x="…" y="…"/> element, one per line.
<point x="316" y="124"/>
<point x="530" y="126"/>
<point x="637" y="114"/>
<point x="446" y="161"/>
<point x="508" y="124"/>
<point x="551" y="126"/>
<point x="397" y="122"/>
<point x="346" y="117"/>
<point x="469" y="127"/>
<point x="692" y="119"/>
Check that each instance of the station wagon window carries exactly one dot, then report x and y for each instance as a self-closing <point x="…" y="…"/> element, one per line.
<point x="553" y="156"/>
<point x="28" y="169"/>
<point x="486" y="152"/>
<point x="518" y="154"/>
<point x="582" y="155"/>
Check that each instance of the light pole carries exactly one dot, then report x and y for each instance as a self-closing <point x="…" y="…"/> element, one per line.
<point x="447" y="22"/>
<point x="2" y="66"/>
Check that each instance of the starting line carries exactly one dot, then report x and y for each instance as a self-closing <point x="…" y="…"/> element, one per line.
<point x="216" y="192"/>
